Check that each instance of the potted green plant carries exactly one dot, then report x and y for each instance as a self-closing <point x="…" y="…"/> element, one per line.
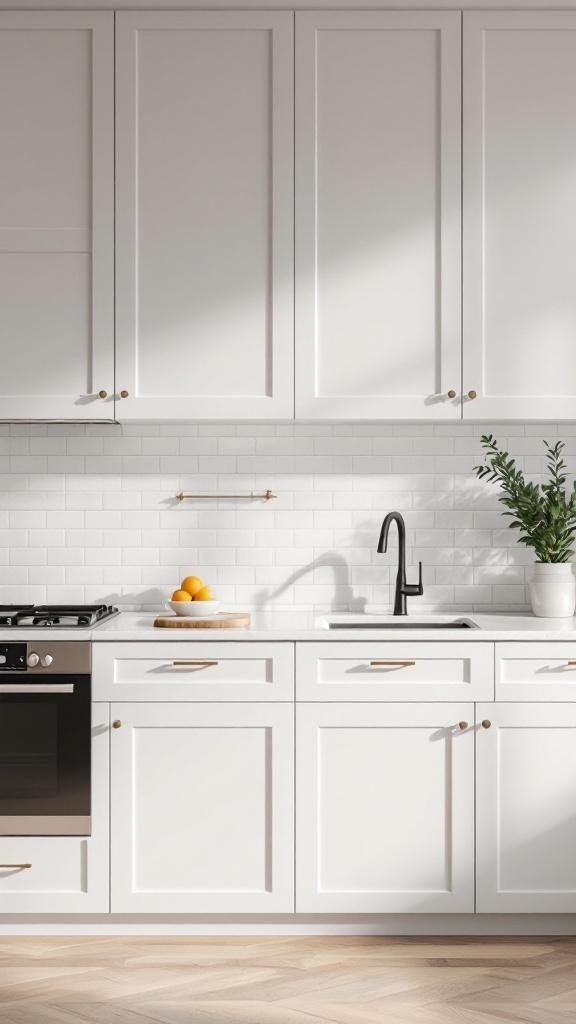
<point x="545" y="514"/>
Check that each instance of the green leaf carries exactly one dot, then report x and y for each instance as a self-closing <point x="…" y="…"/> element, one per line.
<point x="545" y="514"/>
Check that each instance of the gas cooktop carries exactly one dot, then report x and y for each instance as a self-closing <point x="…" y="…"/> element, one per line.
<point x="55" y="616"/>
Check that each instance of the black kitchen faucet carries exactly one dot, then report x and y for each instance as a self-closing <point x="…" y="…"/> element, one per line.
<point x="403" y="589"/>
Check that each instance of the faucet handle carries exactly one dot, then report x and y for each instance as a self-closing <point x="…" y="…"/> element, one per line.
<point x="414" y="589"/>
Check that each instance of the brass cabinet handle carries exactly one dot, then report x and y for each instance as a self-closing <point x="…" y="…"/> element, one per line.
<point x="451" y="394"/>
<point x="571" y="662"/>
<point x="462" y="725"/>
<point x="102" y="394"/>
<point x="20" y="867"/>
<point x="471" y="394"/>
<point x="116" y="723"/>
<point x="123" y="394"/>
<point x="204" y="664"/>
<point x="403" y="663"/>
<point x="486" y="723"/>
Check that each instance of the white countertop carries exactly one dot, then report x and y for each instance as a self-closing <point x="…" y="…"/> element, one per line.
<point x="268" y="626"/>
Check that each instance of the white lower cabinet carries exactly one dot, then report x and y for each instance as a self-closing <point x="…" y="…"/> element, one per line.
<point x="203" y="803"/>
<point x="385" y="808"/>
<point x="526" y="808"/>
<point x="202" y="808"/>
<point x="63" y="874"/>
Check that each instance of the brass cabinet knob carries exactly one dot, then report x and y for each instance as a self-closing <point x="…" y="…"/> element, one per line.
<point x="451" y="394"/>
<point x="462" y="725"/>
<point x="102" y="394"/>
<point x="471" y="394"/>
<point x="123" y="394"/>
<point x="116" y="723"/>
<point x="486" y="723"/>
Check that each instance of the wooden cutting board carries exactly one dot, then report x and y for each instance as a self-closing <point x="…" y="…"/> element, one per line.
<point x="224" y="620"/>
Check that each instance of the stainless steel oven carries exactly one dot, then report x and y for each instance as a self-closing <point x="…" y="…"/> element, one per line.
<point x="45" y="738"/>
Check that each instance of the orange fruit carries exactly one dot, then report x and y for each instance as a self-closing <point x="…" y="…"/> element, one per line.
<point x="181" y="595"/>
<point x="192" y="584"/>
<point x="205" y="594"/>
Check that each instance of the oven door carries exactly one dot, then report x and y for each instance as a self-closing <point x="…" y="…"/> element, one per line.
<point x="45" y="746"/>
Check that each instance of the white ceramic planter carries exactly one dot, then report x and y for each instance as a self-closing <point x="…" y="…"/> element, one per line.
<point x="553" y="590"/>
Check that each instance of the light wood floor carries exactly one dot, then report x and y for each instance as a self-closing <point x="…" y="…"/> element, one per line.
<point x="347" y="980"/>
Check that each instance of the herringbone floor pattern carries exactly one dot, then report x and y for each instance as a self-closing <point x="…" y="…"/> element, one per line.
<point x="345" y="980"/>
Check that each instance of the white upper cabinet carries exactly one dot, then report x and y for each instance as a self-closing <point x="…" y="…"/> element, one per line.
<point x="204" y="171"/>
<point x="56" y="215"/>
<point x="378" y="236"/>
<point x="520" y="214"/>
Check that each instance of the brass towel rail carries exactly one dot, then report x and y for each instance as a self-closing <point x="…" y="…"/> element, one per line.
<point x="249" y="496"/>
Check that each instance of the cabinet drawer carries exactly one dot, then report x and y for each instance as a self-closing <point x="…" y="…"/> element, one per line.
<point x="57" y="879"/>
<point x="533" y="671"/>
<point x="395" y="671"/>
<point x="193" y="671"/>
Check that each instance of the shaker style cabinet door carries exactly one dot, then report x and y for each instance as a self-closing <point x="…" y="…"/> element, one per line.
<point x="202" y="808"/>
<point x="525" y="807"/>
<point x="204" y="215"/>
<point x="519" y="189"/>
<point x="57" y="215"/>
<point x="385" y="808"/>
<point x="378" y="240"/>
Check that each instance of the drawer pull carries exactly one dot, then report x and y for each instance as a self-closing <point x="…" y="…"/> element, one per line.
<point x="486" y="723"/>
<point x="116" y="724"/>
<point x="204" y="664"/>
<point x="462" y="725"/>
<point x="571" y="663"/>
<point x="19" y="867"/>
<point x="375" y="664"/>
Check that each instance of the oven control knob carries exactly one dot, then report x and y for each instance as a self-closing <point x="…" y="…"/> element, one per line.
<point x="46" y="660"/>
<point x="32" y="659"/>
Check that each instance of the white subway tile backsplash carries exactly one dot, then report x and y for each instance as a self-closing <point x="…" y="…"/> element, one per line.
<point x="40" y="445"/>
<point x="25" y="556"/>
<point x="73" y="556"/>
<point x="89" y="512"/>
<point x="24" y="520"/>
<point x="149" y="464"/>
<point x="57" y="464"/>
<point x="80" y="445"/>
<point x="125" y="445"/>
<point x="70" y="520"/>
<point x="158" y="446"/>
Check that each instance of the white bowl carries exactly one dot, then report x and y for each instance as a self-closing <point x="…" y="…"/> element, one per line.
<point x="194" y="609"/>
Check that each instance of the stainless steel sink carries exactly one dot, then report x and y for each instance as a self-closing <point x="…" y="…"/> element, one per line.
<point x="391" y="622"/>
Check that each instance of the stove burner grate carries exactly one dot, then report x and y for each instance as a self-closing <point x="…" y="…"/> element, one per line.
<point x="64" y="616"/>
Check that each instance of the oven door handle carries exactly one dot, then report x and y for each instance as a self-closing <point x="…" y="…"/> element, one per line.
<point x="31" y="688"/>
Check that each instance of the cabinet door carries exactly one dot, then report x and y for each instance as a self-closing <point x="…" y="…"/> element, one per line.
<point x="520" y="214"/>
<point x="204" y="214"/>
<point x="385" y="804"/>
<point x="202" y="808"/>
<point x="64" y="874"/>
<point x="525" y="805"/>
<point x="378" y="215"/>
<point x="56" y="215"/>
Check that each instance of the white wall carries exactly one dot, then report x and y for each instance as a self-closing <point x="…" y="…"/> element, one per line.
<point x="89" y="513"/>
